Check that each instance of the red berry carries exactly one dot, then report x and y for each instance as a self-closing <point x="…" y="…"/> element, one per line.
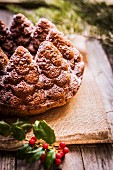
<point x="62" y="144"/>
<point x="34" y="138"/>
<point x="58" y="161"/>
<point x="59" y="155"/>
<point x="59" y="148"/>
<point x="43" y="158"/>
<point x="45" y="146"/>
<point x="32" y="142"/>
<point x="65" y="150"/>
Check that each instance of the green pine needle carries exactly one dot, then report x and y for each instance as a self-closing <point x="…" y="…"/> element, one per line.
<point x="72" y="16"/>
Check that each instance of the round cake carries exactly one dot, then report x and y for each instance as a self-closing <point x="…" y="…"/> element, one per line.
<point x="39" y="67"/>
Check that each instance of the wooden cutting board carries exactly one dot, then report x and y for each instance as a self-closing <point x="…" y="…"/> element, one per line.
<point x="85" y="119"/>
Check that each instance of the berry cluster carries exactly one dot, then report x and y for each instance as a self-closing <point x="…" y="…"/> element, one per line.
<point x="41" y="146"/>
<point x="60" y="151"/>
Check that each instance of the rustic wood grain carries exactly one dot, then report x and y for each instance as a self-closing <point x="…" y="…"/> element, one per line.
<point x="22" y="165"/>
<point x="73" y="160"/>
<point x="97" y="157"/>
<point x="81" y="157"/>
<point x="101" y="69"/>
<point x="7" y="160"/>
<point x="6" y="17"/>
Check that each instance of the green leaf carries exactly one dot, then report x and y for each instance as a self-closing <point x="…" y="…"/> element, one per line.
<point x="21" y="154"/>
<point x="18" y="133"/>
<point x="43" y="131"/>
<point x="23" y="124"/>
<point x="34" y="155"/>
<point x="26" y="127"/>
<point x="35" y="150"/>
<point x="19" y="123"/>
<point x="50" y="156"/>
<point x="5" y="128"/>
<point x="20" y="128"/>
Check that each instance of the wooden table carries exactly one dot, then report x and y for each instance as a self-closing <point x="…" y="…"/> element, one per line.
<point x="80" y="157"/>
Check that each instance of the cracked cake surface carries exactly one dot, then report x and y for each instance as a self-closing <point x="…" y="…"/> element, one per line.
<point x="44" y="71"/>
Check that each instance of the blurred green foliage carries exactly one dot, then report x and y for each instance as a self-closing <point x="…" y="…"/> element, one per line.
<point x="60" y="12"/>
<point x="99" y="19"/>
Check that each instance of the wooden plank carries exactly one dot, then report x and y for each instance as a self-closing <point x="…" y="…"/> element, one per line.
<point x="22" y="165"/>
<point x="73" y="160"/>
<point x="89" y="157"/>
<point x="94" y="157"/>
<point x="97" y="157"/>
<point x="105" y="156"/>
<point x="101" y="69"/>
<point x="7" y="160"/>
<point x="6" y="17"/>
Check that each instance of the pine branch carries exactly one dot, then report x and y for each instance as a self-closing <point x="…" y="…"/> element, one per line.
<point x="61" y="14"/>
<point x="72" y="16"/>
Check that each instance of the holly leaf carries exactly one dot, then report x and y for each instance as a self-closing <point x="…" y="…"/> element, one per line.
<point x="50" y="156"/>
<point x="21" y="154"/>
<point x="43" y="131"/>
<point x="18" y="123"/>
<point x="23" y="124"/>
<point x="18" y="133"/>
<point x="5" y="128"/>
<point x="26" y="127"/>
<point x="34" y="155"/>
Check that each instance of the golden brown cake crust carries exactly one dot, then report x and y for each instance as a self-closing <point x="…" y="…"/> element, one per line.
<point x="32" y="84"/>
